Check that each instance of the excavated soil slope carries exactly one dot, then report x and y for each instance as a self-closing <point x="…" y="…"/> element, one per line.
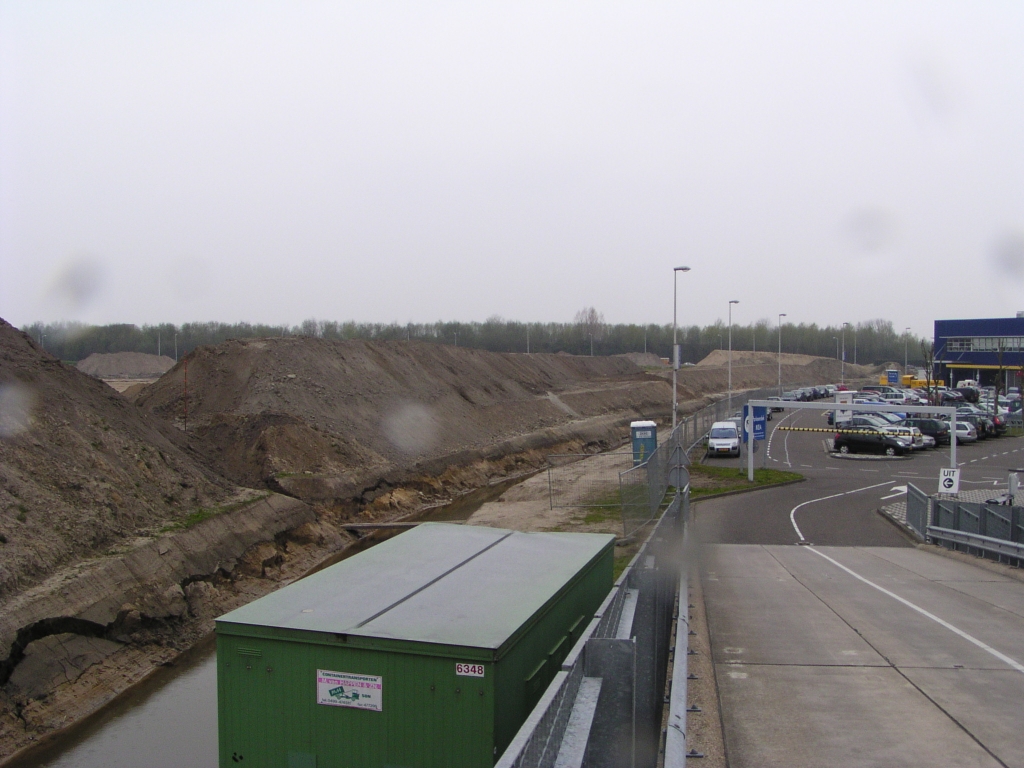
<point x="81" y="469"/>
<point x="327" y="420"/>
<point x="125" y="365"/>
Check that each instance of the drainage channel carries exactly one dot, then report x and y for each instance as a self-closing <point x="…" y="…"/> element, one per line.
<point x="170" y="720"/>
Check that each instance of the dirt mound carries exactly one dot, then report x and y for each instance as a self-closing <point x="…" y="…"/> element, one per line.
<point x="125" y="365"/>
<point x="81" y="468"/>
<point x="645" y="359"/>
<point x="356" y="414"/>
<point x="721" y="357"/>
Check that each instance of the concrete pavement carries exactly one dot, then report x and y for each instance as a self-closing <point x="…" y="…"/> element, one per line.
<point x="818" y="668"/>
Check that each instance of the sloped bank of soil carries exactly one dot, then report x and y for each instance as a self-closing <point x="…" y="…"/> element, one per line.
<point x="340" y="421"/>
<point x="82" y="470"/>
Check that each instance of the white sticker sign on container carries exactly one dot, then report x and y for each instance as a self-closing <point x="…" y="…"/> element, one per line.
<point x="342" y="689"/>
<point x="469" y="670"/>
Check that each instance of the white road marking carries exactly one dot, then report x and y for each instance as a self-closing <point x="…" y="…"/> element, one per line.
<point x="955" y="630"/>
<point x="900" y="490"/>
<point x="792" y="513"/>
<point x="772" y="435"/>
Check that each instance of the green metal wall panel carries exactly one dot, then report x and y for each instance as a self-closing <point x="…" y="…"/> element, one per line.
<point x="431" y="717"/>
<point x="269" y="715"/>
<point x="526" y="670"/>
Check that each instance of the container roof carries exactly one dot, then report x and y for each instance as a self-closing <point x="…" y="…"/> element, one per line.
<point x="437" y="583"/>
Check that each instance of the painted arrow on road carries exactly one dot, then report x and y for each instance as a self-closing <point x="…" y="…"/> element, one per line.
<point x="896" y="490"/>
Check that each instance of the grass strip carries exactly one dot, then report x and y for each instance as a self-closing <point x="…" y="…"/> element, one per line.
<point x="710" y="481"/>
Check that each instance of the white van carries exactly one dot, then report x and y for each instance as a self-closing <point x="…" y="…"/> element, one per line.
<point x="724" y="439"/>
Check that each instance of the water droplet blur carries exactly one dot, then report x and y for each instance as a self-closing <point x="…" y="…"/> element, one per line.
<point x="16" y="403"/>
<point x="411" y="428"/>
<point x="1008" y="256"/>
<point x="76" y="284"/>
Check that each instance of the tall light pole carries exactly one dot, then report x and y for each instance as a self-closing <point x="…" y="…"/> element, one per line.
<point x="731" y="302"/>
<point x="842" y="365"/>
<point x="781" y="315"/>
<point x="906" y="335"/>
<point x="675" y="353"/>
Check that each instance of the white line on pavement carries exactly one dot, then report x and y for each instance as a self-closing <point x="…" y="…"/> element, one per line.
<point x="792" y="514"/>
<point x="955" y="630"/>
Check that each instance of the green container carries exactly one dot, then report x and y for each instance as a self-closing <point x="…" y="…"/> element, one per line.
<point x="429" y="649"/>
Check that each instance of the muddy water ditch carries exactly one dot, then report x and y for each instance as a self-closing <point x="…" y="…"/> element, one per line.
<point x="170" y="720"/>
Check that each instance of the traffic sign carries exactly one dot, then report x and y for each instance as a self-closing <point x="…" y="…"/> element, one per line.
<point x="949" y="481"/>
<point x="760" y="422"/>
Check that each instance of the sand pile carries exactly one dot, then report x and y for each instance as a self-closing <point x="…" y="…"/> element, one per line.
<point x="125" y="365"/>
<point x="332" y="419"/>
<point x="81" y="468"/>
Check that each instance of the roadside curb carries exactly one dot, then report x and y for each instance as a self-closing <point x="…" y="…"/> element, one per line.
<point x="746" y="490"/>
<point x="909" y="533"/>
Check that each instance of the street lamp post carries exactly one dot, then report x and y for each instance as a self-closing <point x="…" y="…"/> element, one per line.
<point x="842" y="365"/>
<point x="731" y="302"/>
<point x="781" y="315"/>
<point x="675" y="353"/>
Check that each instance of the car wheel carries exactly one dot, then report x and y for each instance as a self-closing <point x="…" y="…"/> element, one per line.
<point x="890" y="450"/>
<point x="844" y="449"/>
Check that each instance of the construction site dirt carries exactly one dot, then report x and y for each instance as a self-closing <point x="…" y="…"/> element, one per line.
<point x="126" y="527"/>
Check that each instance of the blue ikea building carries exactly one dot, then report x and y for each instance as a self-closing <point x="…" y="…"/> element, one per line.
<point x="983" y="350"/>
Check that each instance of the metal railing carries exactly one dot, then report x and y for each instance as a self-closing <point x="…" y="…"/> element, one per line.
<point x="995" y="529"/>
<point x="604" y="707"/>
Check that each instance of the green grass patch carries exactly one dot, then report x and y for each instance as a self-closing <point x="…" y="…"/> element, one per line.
<point x="621" y="561"/>
<point x="205" y="513"/>
<point x="710" y="481"/>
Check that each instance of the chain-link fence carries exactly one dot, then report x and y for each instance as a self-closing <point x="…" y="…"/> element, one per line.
<point x="586" y="479"/>
<point x="643" y="488"/>
<point x="604" y="707"/>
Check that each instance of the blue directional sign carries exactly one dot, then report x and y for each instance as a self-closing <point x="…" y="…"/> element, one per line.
<point x="892" y="377"/>
<point x="760" y="422"/>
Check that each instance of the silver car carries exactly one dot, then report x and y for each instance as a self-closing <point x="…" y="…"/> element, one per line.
<point x="965" y="433"/>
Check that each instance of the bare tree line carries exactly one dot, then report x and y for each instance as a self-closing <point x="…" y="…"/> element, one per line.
<point x="874" y="341"/>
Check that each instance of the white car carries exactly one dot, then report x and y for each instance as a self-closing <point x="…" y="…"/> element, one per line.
<point x="724" y="439"/>
<point x="965" y="433"/>
<point x="912" y="437"/>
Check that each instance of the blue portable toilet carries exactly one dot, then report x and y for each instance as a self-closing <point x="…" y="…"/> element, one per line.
<point x="645" y="440"/>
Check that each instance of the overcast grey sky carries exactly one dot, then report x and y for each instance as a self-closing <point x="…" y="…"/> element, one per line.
<point x="419" y="161"/>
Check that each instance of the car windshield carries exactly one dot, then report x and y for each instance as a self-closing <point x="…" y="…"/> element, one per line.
<point x="722" y="433"/>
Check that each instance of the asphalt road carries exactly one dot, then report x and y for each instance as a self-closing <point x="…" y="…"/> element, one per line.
<point x="858" y="649"/>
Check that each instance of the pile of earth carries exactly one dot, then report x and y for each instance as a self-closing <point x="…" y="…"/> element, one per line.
<point x="82" y="470"/>
<point x="125" y="365"/>
<point x="755" y="370"/>
<point x="341" y="420"/>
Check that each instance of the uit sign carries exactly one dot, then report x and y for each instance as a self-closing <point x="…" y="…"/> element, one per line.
<point x="341" y="689"/>
<point x="949" y="481"/>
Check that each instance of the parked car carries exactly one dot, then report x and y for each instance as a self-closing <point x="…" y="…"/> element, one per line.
<point x="911" y="435"/>
<point x="937" y="429"/>
<point x="965" y="433"/>
<point x="776" y="408"/>
<point x="869" y="440"/>
<point x="724" y="439"/>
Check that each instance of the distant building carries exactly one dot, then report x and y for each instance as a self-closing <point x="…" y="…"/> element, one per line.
<point x="981" y="350"/>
